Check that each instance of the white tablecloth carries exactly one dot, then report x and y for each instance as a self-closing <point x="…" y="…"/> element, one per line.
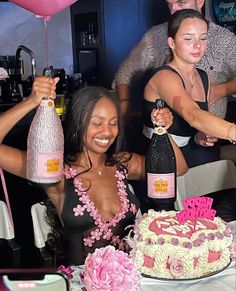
<point x="222" y="281"/>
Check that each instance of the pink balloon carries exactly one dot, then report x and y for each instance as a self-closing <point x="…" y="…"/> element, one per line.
<point x="44" y="8"/>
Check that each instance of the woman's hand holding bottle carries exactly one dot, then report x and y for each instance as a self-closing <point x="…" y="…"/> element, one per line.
<point x="162" y="117"/>
<point x="43" y="87"/>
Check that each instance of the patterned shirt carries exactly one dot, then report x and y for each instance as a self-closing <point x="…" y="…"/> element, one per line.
<point x="219" y="60"/>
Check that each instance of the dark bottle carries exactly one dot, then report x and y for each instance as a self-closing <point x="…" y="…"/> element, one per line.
<point x="14" y="92"/>
<point x="160" y="169"/>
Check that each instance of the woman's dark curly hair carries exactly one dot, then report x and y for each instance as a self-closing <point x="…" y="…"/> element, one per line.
<point x="56" y="236"/>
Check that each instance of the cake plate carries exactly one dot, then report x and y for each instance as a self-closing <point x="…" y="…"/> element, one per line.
<point x="187" y="279"/>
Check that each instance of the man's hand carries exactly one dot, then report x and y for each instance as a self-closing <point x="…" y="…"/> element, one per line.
<point x="218" y="91"/>
<point x="205" y="140"/>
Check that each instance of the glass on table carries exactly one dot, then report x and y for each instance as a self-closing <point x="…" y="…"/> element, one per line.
<point x="60" y="105"/>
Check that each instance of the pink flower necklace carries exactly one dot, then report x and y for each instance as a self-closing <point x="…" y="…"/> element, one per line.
<point x="103" y="228"/>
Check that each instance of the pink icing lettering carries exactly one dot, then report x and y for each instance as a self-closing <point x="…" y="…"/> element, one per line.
<point x="192" y="213"/>
<point x="201" y="213"/>
<point x="211" y="214"/>
<point x="170" y="226"/>
<point x="181" y="216"/>
<point x="185" y="204"/>
<point x="209" y="202"/>
<point x="199" y="202"/>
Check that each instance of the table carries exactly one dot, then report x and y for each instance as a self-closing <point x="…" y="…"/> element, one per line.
<point x="223" y="281"/>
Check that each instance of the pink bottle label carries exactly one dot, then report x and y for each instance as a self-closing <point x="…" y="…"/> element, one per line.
<point x="161" y="185"/>
<point x="49" y="165"/>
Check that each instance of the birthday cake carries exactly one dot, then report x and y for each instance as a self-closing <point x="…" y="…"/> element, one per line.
<point x="181" y="245"/>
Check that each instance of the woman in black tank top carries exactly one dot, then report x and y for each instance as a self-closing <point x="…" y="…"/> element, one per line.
<point x="194" y="153"/>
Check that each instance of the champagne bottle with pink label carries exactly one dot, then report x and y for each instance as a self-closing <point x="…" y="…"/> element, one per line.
<point x="160" y="169"/>
<point x="45" y="144"/>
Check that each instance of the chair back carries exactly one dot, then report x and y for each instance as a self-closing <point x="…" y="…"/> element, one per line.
<point x="40" y="225"/>
<point x="7" y="236"/>
<point x="6" y="226"/>
<point x="205" y="179"/>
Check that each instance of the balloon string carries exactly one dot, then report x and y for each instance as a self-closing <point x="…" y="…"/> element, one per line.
<point x="46" y="40"/>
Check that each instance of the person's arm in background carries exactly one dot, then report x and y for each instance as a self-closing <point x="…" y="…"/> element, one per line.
<point x="124" y="96"/>
<point x="151" y="51"/>
<point x="205" y="140"/>
<point x="201" y="138"/>
<point x="222" y="45"/>
<point x="223" y="89"/>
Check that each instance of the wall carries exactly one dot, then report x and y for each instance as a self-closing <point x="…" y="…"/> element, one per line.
<point x="125" y="23"/>
<point x="19" y="26"/>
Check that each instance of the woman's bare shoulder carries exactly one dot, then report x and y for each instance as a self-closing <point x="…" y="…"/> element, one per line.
<point x="164" y="75"/>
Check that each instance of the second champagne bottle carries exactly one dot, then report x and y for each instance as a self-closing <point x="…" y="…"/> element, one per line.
<point x="160" y="169"/>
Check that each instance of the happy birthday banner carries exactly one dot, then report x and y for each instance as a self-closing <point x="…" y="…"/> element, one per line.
<point x="196" y="207"/>
<point x="223" y="13"/>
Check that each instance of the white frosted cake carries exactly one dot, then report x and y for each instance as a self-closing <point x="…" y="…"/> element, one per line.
<point x="165" y="248"/>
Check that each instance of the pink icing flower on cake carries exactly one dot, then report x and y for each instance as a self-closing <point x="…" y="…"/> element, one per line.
<point x="219" y="235"/>
<point x="176" y="267"/>
<point x="174" y="241"/>
<point x="108" y="269"/>
<point x="211" y="236"/>
<point x="160" y="241"/>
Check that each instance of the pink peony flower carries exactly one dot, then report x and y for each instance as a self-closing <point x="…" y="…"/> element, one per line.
<point x="176" y="267"/>
<point x="110" y="269"/>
